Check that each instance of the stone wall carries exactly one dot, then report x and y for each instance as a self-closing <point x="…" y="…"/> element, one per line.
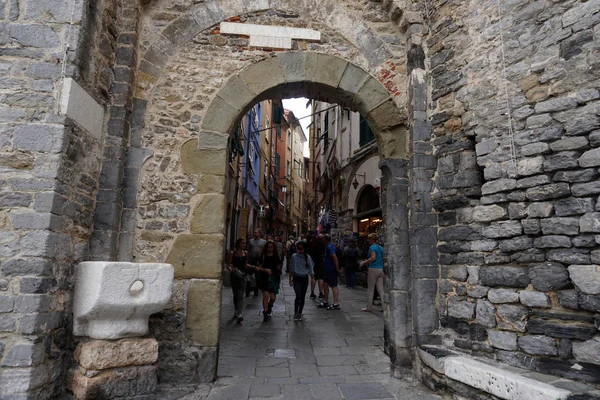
<point x="181" y="185"/>
<point x="49" y="169"/>
<point x="518" y="209"/>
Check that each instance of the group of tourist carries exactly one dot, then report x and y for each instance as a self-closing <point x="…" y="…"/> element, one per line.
<point x="258" y="265"/>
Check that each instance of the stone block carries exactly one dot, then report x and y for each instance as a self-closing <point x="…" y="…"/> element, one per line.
<point x="548" y="192"/>
<point x="560" y="226"/>
<point x="113" y="300"/>
<point x="352" y="80"/>
<point x="517" y="210"/>
<point x="531" y="226"/>
<point x="488" y="213"/>
<point x="569" y="256"/>
<point x="209" y="215"/>
<point x="590" y="222"/>
<point x="99" y="355"/>
<point x="499" y="382"/>
<point x="581" y="175"/>
<point x="128" y="382"/>
<point x="34" y="35"/>
<point x="570" y="143"/>
<point x="485" y="313"/>
<point x="197" y="256"/>
<point x="500" y="185"/>
<point x="538" y="345"/>
<point x="237" y="93"/>
<point x="502" y="339"/>
<point x="24" y="354"/>
<point x="220" y="116"/>
<point x="573" y="206"/>
<point x="504" y="275"/>
<point x="532" y="298"/>
<point x="512" y="317"/>
<point x="586" y="189"/>
<point x="561" y="329"/>
<point x="371" y="95"/>
<point x="516" y="244"/>
<point x="588" y="351"/>
<point x="552" y="241"/>
<point x="40" y="138"/>
<point x="548" y="276"/>
<point x="386" y="116"/>
<point x="530" y="166"/>
<point x="460" y="308"/>
<point x="204" y="312"/>
<point x="262" y="76"/>
<point x="586" y="278"/>
<point x="498" y="296"/>
<point x="503" y="229"/>
<point x="195" y="161"/>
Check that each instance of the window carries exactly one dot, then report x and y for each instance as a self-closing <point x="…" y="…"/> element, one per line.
<point x="266" y="171"/>
<point x="289" y="139"/>
<point x="288" y="169"/>
<point x="277" y="164"/>
<point x="366" y="134"/>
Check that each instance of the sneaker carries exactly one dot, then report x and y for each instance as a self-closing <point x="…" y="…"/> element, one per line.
<point x="240" y="318"/>
<point x="323" y="305"/>
<point x="295" y="317"/>
<point x="313" y="296"/>
<point x="300" y="318"/>
<point x="265" y="316"/>
<point x="333" y="307"/>
<point x="365" y="309"/>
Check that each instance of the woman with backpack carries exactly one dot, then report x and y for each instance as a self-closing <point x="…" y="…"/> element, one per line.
<point x="302" y="266"/>
<point x="375" y="274"/>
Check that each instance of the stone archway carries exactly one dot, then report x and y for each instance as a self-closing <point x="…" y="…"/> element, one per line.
<point x="307" y="74"/>
<point x="186" y="127"/>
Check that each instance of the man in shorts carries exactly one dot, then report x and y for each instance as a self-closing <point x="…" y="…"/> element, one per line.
<point x="330" y="280"/>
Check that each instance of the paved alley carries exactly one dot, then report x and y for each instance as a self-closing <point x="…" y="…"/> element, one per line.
<point x="330" y="355"/>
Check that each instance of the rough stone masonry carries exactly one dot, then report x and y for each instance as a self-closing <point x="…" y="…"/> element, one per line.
<point x="488" y="125"/>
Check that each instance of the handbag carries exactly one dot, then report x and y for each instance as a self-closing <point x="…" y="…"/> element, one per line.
<point x="237" y="273"/>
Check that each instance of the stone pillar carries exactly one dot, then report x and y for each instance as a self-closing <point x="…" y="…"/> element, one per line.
<point x="398" y="321"/>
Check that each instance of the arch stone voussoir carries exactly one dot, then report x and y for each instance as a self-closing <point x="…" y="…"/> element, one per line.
<point x="329" y="70"/>
<point x="263" y="75"/>
<point x="196" y="161"/>
<point x="385" y="116"/>
<point x="297" y="66"/>
<point x="371" y="95"/>
<point x="352" y="80"/>
<point x="393" y="142"/>
<point x="220" y="116"/>
<point x="237" y="93"/>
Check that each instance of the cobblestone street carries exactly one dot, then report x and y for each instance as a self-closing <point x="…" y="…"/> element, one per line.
<point x="330" y="355"/>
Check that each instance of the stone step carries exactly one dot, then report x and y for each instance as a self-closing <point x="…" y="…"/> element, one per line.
<point x="501" y="380"/>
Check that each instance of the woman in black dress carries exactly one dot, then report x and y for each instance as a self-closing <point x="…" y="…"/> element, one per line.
<point x="237" y="264"/>
<point x="269" y="277"/>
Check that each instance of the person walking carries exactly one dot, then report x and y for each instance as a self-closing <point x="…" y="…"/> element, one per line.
<point x="255" y="247"/>
<point x="313" y="248"/>
<point x="237" y="265"/>
<point x="332" y="269"/>
<point x="268" y="278"/>
<point x="352" y="255"/>
<point x="301" y="266"/>
<point x="375" y="274"/>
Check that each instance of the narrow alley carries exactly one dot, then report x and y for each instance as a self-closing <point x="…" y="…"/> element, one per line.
<point x="332" y="354"/>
